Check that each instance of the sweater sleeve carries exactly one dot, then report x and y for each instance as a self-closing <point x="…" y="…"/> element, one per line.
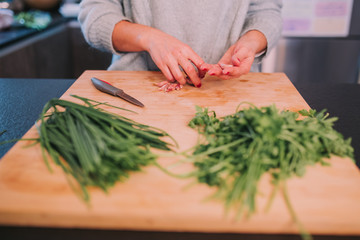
<point x="97" y="19"/>
<point x="265" y="16"/>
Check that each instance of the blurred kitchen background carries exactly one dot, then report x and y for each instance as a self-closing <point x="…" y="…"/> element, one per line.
<point x="43" y="48"/>
<point x="320" y="42"/>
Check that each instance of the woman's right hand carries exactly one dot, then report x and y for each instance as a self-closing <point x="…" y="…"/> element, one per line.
<point x="167" y="52"/>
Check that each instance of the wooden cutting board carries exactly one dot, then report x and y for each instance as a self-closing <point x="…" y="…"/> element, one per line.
<point x="326" y="200"/>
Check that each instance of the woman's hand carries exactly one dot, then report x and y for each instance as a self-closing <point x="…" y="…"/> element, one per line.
<point x="239" y="57"/>
<point x="167" y="52"/>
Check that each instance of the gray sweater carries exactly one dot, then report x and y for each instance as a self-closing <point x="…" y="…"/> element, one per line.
<point x="209" y="27"/>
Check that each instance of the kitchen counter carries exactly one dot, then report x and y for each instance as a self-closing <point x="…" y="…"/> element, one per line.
<point x="61" y="46"/>
<point x="17" y="33"/>
<point x="20" y="113"/>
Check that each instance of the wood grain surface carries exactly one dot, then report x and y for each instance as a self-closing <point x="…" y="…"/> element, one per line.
<point x="326" y="200"/>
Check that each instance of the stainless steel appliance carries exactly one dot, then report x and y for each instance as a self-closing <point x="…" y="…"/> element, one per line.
<point x="319" y="59"/>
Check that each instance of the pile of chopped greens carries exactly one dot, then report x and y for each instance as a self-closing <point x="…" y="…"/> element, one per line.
<point x="236" y="150"/>
<point x="96" y="147"/>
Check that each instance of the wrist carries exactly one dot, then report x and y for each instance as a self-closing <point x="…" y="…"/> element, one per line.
<point x="130" y="37"/>
<point x="145" y="37"/>
<point x="255" y="41"/>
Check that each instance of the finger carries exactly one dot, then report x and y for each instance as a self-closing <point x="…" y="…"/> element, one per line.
<point x="197" y="61"/>
<point x="201" y="74"/>
<point x="235" y="60"/>
<point x="226" y="68"/>
<point x="190" y="71"/>
<point x="215" y="70"/>
<point x="226" y="59"/>
<point x="223" y="66"/>
<point x="173" y="66"/>
<point x="166" y="71"/>
<point x="237" y="71"/>
<point x="188" y="81"/>
<point x="242" y="60"/>
<point x="205" y="67"/>
<point x="239" y="55"/>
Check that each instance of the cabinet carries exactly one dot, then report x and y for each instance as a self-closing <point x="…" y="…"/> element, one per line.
<point x="59" y="52"/>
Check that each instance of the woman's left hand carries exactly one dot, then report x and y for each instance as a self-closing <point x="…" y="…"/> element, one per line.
<point x="238" y="59"/>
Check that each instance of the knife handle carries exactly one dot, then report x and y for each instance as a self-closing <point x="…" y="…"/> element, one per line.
<point x="105" y="87"/>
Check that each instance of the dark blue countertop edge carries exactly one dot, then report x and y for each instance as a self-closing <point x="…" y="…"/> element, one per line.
<point x="32" y="233"/>
<point x="21" y="101"/>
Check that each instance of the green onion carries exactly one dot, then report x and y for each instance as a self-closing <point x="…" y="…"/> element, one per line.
<point x="95" y="147"/>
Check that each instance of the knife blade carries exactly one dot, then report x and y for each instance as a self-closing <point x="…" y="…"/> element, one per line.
<point x="106" y="87"/>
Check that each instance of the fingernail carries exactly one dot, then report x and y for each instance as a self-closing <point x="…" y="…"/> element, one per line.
<point x="212" y="74"/>
<point x="199" y="85"/>
<point x="227" y="73"/>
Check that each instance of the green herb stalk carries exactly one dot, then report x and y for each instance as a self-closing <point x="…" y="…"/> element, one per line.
<point x="236" y="150"/>
<point x="95" y="147"/>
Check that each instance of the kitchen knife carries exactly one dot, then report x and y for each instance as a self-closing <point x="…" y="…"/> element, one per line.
<point x="110" y="89"/>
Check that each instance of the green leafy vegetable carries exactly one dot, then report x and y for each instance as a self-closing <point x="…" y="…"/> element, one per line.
<point x="236" y="150"/>
<point x="97" y="148"/>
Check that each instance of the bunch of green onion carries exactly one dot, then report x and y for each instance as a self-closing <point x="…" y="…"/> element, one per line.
<point x="95" y="147"/>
